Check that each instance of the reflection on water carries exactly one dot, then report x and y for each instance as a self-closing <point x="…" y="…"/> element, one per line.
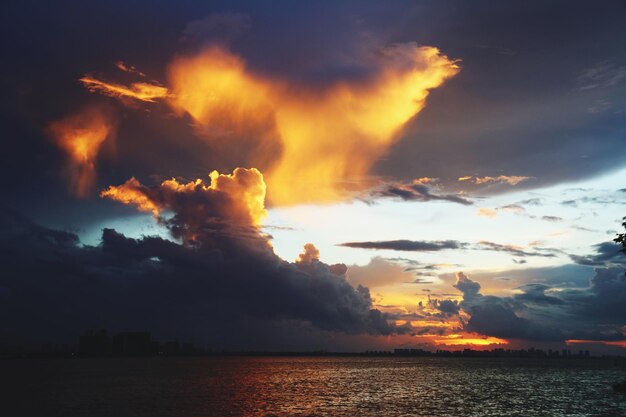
<point x="310" y="387"/>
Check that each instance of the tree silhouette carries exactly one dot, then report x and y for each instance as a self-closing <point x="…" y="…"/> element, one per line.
<point x="621" y="237"/>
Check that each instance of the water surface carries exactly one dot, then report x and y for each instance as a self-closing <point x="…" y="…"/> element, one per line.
<point x="310" y="386"/>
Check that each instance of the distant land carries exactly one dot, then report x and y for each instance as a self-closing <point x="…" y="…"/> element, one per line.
<point x="140" y="344"/>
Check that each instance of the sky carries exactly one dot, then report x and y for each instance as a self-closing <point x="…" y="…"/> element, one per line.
<point x="304" y="176"/>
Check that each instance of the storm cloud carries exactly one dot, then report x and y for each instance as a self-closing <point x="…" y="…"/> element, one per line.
<point x="54" y="287"/>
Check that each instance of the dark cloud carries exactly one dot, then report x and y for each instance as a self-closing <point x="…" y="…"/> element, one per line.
<point x="52" y="287"/>
<point x="606" y="253"/>
<point x="469" y="288"/>
<point x="532" y="202"/>
<point x="450" y="307"/>
<point x="552" y="218"/>
<point x="536" y="293"/>
<point x="517" y="251"/>
<point x="542" y="312"/>
<point x="494" y="120"/>
<point x="407" y="245"/>
<point x="418" y="190"/>
<point x="420" y="281"/>
<point x="217" y="27"/>
<point x="460" y="132"/>
<point x="496" y="316"/>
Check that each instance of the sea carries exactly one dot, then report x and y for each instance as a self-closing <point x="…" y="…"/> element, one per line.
<point x="310" y="386"/>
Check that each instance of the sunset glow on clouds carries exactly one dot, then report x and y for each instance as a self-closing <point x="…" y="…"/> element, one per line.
<point x="81" y="136"/>
<point x="326" y="137"/>
<point x="391" y="186"/>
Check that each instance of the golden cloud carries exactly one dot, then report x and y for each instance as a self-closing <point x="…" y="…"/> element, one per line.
<point x="81" y="136"/>
<point x="329" y="135"/>
<point x="237" y="199"/>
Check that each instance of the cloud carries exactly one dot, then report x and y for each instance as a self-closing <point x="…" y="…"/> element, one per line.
<point x="55" y="287"/>
<point x="406" y="245"/>
<point x="542" y="312"/>
<point x="469" y="288"/>
<point x="553" y="219"/>
<point x="536" y="294"/>
<point x="379" y="272"/>
<point x="606" y="254"/>
<point x="602" y="75"/>
<point x="233" y="203"/>
<point x="450" y="307"/>
<point x="142" y="91"/>
<point x="122" y="66"/>
<point x="217" y="27"/>
<point x="513" y="208"/>
<point x="502" y="179"/>
<point x="80" y="136"/>
<point x="517" y="250"/>
<point x="327" y="135"/>
<point x="418" y="190"/>
<point x="487" y="212"/>
<point x="496" y="316"/>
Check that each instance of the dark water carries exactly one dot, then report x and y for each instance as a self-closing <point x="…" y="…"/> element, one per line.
<point x="154" y="387"/>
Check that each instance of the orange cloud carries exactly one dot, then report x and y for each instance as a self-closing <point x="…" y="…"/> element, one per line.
<point x="469" y="340"/>
<point x="141" y="91"/>
<point x="328" y="135"/>
<point x="128" y="68"/>
<point x="310" y="254"/>
<point x="132" y="193"/>
<point x="223" y="97"/>
<point x="81" y="136"/>
<point x="487" y="212"/>
<point x="236" y="199"/>
<point x="620" y="343"/>
<point x="502" y="179"/>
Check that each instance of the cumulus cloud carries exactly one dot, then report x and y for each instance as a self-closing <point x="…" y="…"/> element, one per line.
<point x="167" y="287"/>
<point x="322" y="135"/>
<point x="379" y="272"/>
<point x="542" y="312"/>
<point x="228" y="203"/>
<point x="496" y="316"/>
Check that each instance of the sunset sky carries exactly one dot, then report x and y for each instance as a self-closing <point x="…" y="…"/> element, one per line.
<point x="321" y="175"/>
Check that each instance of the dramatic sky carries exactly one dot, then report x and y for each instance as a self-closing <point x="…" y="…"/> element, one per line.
<point x="320" y="175"/>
